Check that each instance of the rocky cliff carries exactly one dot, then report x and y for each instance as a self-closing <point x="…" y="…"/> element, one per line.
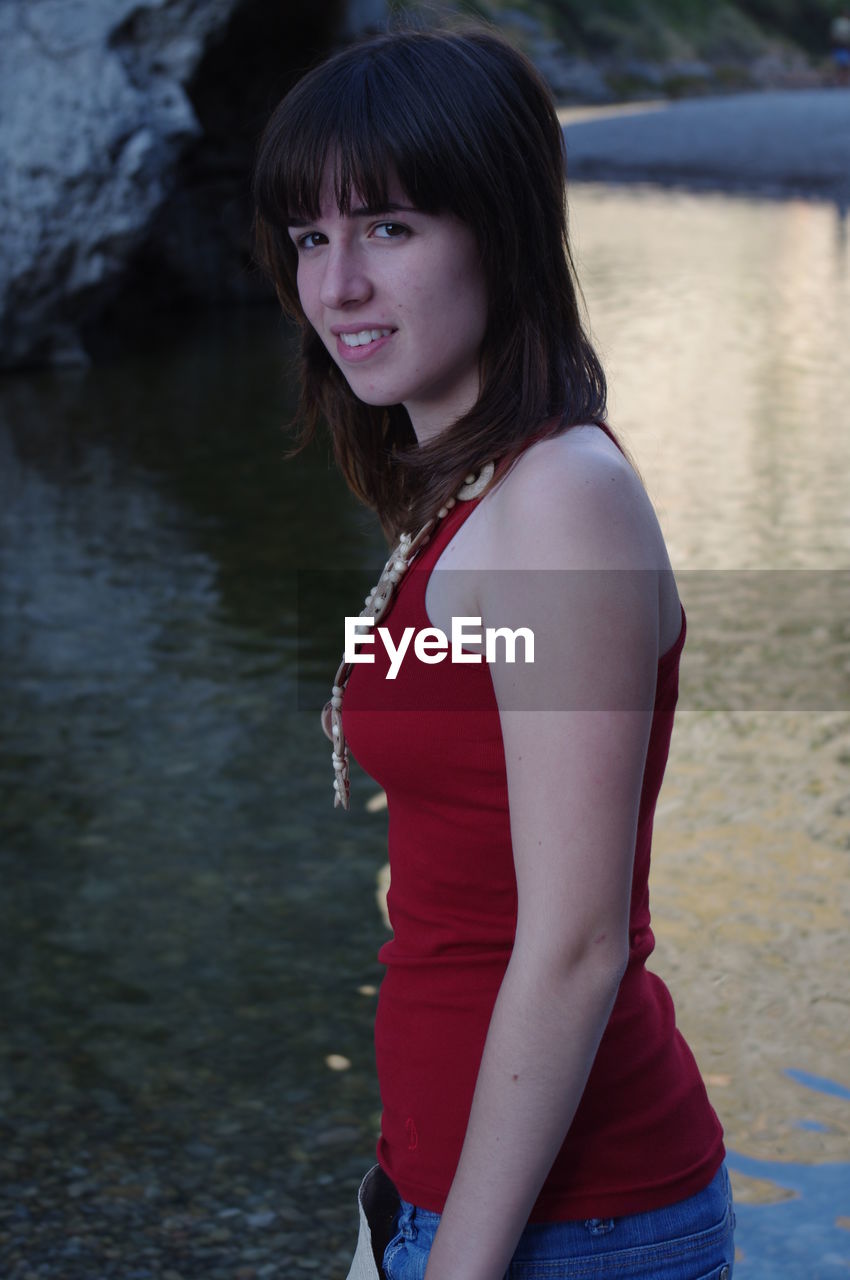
<point x="126" y="134"/>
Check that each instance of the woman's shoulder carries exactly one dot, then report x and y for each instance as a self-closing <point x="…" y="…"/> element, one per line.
<point x="575" y="459"/>
<point x="574" y="500"/>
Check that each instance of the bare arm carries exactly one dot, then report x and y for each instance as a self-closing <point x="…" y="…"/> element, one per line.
<point x="575" y="728"/>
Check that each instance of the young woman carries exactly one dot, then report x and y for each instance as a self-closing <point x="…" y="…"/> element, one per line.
<point x="542" y="1115"/>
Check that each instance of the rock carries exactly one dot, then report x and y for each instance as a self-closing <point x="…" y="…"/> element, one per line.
<point x="688" y="69"/>
<point x="339" y="1135"/>
<point x="198" y="1150"/>
<point x="637" y="69"/>
<point x="520" y="22"/>
<point x="570" y="79"/>
<point x="94" y="116"/>
<point x="219" y="1235"/>
<point x="691" y="77"/>
<point x="96" y="112"/>
<point x="263" y="1218"/>
<point x="783" y="69"/>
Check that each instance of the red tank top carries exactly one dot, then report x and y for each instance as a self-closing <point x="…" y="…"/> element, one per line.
<point x="644" y="1134"/>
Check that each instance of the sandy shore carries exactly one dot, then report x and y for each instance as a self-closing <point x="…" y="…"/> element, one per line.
<point x="783" y="142"/>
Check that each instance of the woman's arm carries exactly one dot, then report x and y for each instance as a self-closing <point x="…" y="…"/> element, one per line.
<point x="577" y="532"/>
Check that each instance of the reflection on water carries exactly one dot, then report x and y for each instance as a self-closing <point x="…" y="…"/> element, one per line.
<point x="183" y="936"/>
<point x="797" y="1232"/>
<point x="724" y="326"/>
<point x="189" y="931"/>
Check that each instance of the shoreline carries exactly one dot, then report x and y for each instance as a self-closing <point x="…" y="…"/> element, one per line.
<point x="779" y="143"/>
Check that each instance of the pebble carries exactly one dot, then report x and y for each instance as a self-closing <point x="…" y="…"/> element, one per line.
<point x="218" y="1235"/>
<point x="263" y="1219"/>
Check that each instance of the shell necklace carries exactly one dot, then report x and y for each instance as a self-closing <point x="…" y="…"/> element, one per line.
<point x="376" y="606"/>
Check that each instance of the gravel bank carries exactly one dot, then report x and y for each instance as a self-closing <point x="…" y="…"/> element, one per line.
<point x="776" y="143"/>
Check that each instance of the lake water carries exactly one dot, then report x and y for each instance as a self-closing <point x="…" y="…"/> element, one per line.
<point x="189" y="931"/>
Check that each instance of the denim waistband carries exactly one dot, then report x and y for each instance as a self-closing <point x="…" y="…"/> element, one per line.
<point x="704" y="1213"/>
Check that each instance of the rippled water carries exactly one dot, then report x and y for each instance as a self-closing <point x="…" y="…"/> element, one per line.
<point x="188" y="930"/>
<point x="724" y="325"/>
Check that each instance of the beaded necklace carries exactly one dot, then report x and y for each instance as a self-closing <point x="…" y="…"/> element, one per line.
<point x="376" y="606"/>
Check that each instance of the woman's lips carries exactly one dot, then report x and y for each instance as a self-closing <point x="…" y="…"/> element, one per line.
<point x="355" y="355"/>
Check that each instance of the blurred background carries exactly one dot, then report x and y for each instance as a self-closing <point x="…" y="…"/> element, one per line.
<point x="188" y="930"/>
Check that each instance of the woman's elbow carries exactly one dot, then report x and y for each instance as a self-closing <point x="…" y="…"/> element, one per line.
<point x="604" y="960"/>
<point x="597" y="960"/>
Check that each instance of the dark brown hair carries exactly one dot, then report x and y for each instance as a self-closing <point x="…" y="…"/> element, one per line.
<point x="468" y="126"/>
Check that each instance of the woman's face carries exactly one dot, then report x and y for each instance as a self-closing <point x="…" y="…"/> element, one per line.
<point x="398" y="297"/>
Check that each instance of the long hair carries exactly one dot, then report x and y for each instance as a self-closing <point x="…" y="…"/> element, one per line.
<point x="467" y="125"/>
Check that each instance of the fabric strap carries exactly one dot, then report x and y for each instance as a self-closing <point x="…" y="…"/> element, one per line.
<point x="378" y="1202"/>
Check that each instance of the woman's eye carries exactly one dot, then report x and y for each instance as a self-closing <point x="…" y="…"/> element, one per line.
<point x="390" y="230"/>
<point x="309" y="240"/>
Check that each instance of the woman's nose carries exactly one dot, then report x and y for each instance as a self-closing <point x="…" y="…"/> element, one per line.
<point x="344" y="279"/>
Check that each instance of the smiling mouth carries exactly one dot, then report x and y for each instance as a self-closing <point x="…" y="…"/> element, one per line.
<point x="364" y="337"/>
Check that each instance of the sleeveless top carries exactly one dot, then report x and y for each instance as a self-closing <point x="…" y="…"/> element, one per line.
<point x="644" y="1134"/>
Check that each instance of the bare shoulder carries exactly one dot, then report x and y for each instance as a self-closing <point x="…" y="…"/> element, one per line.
<point x="574" y="500"/>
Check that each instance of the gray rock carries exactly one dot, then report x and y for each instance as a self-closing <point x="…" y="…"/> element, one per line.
<point x="570" y="79"/>
<point x="263" y="1218"/>
<point x="651" y="73"/>
<point x="93" y="116"/>
<point x="688" y="69"/>
<point x="521" y="22"/>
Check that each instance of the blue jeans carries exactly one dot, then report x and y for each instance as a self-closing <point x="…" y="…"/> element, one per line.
<point x="690" y="1240"/>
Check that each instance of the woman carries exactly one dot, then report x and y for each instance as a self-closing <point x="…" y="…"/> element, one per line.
<point x="541" y="1113"/>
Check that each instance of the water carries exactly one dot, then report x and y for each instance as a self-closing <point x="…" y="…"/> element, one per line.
<point x="189" y="932"/>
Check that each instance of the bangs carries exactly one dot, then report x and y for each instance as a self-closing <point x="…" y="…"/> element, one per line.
<point x="365" y="121"/>
<point x="359" y="163"/>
